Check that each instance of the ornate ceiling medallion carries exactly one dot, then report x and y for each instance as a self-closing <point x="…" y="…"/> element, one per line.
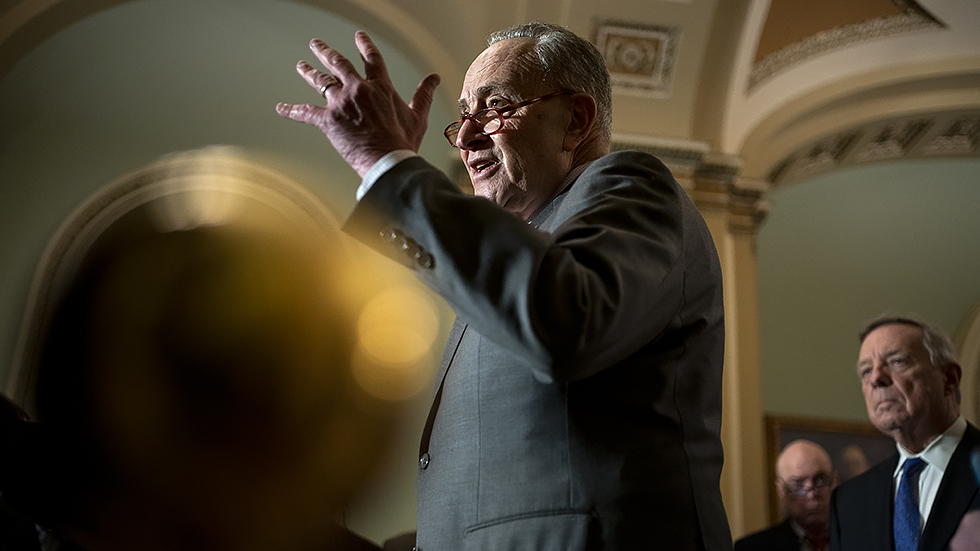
<point x="640" y="57"/>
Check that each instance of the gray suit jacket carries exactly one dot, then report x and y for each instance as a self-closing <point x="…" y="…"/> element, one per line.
<point x="861" y="508"/>
<point x="579" y="399"/>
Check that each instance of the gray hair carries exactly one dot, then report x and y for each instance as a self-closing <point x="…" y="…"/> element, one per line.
<point x="567" y="61"/>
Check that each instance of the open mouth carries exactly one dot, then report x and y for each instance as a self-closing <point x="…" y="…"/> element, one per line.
<point x="482" y="166"/>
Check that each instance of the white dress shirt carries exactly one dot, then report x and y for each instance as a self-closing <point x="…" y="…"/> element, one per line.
<point x="936" y="455"/>
<point x="383" y="165"/>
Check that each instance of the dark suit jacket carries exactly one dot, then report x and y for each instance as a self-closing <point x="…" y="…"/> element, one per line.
<point x="861" y="508"/>
<point x="579" y="400"/>
<point x="780" y="537"/>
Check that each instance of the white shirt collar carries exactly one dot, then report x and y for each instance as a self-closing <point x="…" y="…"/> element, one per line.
<point x="938" y="453"/>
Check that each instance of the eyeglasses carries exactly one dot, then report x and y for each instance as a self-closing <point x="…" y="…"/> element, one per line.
<point x="820" y="483"/>
<point x="491" y="120"/>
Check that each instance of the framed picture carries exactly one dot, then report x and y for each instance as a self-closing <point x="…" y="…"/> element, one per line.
<point x="853" y="447"/>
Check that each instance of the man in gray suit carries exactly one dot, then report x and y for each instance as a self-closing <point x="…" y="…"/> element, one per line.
<point x="578" y="403"/>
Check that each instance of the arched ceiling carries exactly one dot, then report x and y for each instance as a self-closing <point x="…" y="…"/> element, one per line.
<point x="778" y="83"/>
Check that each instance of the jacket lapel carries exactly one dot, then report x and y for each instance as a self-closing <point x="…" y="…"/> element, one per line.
<point x="881" y="511"/>
<point x="452" y="345"/>
<point x="957" y="491"/>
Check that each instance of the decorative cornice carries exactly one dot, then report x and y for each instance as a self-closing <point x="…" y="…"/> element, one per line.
<point x="711" y="179"/>
<point x="718" y="187"/>
<point x="961" y="137"/>
<point x="940" y="135"/>
<point x="914" y="18"/>
<point x="682" y="157"/>
<point x="893" y="140"/>
<point x="749" y="207"/>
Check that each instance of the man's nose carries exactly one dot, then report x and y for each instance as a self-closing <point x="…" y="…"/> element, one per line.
<point x="809" y="492"/>
<point x="879" y="376"/>
<point x="471" y="135"/>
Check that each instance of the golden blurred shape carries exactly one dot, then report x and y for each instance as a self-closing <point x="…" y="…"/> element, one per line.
<point x="396" y="331"/>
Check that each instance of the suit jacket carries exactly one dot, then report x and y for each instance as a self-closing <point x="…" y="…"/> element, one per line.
<point x="861" y="508"/>
<point x="780" y="537"/>
<point x="579" y="398"/>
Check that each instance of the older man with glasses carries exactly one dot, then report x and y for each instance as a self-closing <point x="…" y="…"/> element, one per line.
<point x="578" y="405"/>
<point x="805" y="477"/>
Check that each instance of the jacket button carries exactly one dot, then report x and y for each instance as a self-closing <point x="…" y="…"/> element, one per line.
<point x="390" y="236"/>
<point x="424" y="461"/>
<point x="424" y="259"/>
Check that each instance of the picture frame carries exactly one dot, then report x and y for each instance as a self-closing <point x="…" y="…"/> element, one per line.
<point x="853" y="447"/>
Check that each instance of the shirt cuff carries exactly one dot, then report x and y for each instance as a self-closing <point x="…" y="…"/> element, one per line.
<point x="383" y="165"/>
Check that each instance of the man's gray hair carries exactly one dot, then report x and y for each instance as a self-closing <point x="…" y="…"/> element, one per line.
<point x="940" y="347"/>
<point x="567" y="61"/>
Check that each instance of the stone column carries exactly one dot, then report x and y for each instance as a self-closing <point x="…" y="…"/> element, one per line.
<point x="734" y="208"/>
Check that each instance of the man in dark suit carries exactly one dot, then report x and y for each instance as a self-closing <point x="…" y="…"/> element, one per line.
<point x="578" y="405"/>
<point x="915" y="499"/>
<point x="805" y="477"/>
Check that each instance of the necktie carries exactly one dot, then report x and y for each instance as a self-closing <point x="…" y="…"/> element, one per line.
<point x="906" y="522"/>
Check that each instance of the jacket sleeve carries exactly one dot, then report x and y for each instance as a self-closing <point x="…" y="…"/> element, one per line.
<point x="602" y="278"/>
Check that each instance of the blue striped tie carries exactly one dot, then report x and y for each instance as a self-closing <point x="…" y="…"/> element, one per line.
<point x="906" y="522"/>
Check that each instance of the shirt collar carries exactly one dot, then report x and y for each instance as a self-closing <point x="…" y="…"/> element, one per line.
<point x="939" y="451"/>
<point x="800" y="531"/>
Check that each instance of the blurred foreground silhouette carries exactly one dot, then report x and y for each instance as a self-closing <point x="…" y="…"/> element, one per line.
<point x="197" y="384"/>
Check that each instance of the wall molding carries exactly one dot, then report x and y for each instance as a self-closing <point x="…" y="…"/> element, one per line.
<point x="954" y="134"/>
<point x="915" y="18"/>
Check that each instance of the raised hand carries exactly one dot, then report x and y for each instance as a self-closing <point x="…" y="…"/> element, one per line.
<point x="364" y="118"/>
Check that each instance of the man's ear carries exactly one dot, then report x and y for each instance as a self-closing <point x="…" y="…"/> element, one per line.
<point x="581" y="122"/>
<point x="954" y="374"/>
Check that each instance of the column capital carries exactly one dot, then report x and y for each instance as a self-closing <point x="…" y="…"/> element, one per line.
<point x="717" y="185"/>
<point x="710" y="178"/>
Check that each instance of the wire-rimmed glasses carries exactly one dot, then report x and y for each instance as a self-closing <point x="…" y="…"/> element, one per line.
<point x="800" y="488"/>
<point x="491" y="120"/>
